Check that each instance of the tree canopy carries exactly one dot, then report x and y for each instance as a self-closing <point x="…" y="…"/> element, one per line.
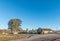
<point x="14" y="24"/>
<point x="39" y="30"/>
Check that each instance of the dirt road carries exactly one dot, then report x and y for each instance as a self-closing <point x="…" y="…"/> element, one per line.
<point x="47" y="37"/>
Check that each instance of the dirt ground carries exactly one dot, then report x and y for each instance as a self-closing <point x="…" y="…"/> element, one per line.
<point x="54" y="37"/>
<point x="30" y="37"/>
<point x="14" y="37"/>
<point x="47" y="37"/>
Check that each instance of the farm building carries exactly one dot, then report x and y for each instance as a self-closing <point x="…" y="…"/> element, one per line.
<point x="46" y="31"/>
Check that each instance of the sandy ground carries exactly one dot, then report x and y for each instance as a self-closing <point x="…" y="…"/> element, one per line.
<point x="47" y="37"/>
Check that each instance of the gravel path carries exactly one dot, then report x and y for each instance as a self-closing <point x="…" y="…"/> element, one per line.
<point x="47" y="37"/>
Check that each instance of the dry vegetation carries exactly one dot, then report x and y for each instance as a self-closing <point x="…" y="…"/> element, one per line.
<point x="21" y="36"/>
<point x="13" y="37"/>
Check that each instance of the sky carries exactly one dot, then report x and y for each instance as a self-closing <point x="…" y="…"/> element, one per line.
<point x="33" y="13"/>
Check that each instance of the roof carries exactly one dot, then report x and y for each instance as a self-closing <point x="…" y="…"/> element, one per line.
<point x="46" y="29"/>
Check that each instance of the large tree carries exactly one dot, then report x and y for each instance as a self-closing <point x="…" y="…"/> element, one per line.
<point x="39" y="30"/>
<point x="14" y="25"/>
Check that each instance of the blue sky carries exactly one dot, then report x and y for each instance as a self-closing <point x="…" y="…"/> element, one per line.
<point x="33" y="13"/>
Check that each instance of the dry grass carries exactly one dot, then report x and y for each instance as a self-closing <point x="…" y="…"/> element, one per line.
<point x="20" y="36"/>
<point x="13" y="37"/>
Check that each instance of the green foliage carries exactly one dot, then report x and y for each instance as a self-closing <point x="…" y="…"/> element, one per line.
<point x="14" y="24"/>
<point x="39" y="30"/>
